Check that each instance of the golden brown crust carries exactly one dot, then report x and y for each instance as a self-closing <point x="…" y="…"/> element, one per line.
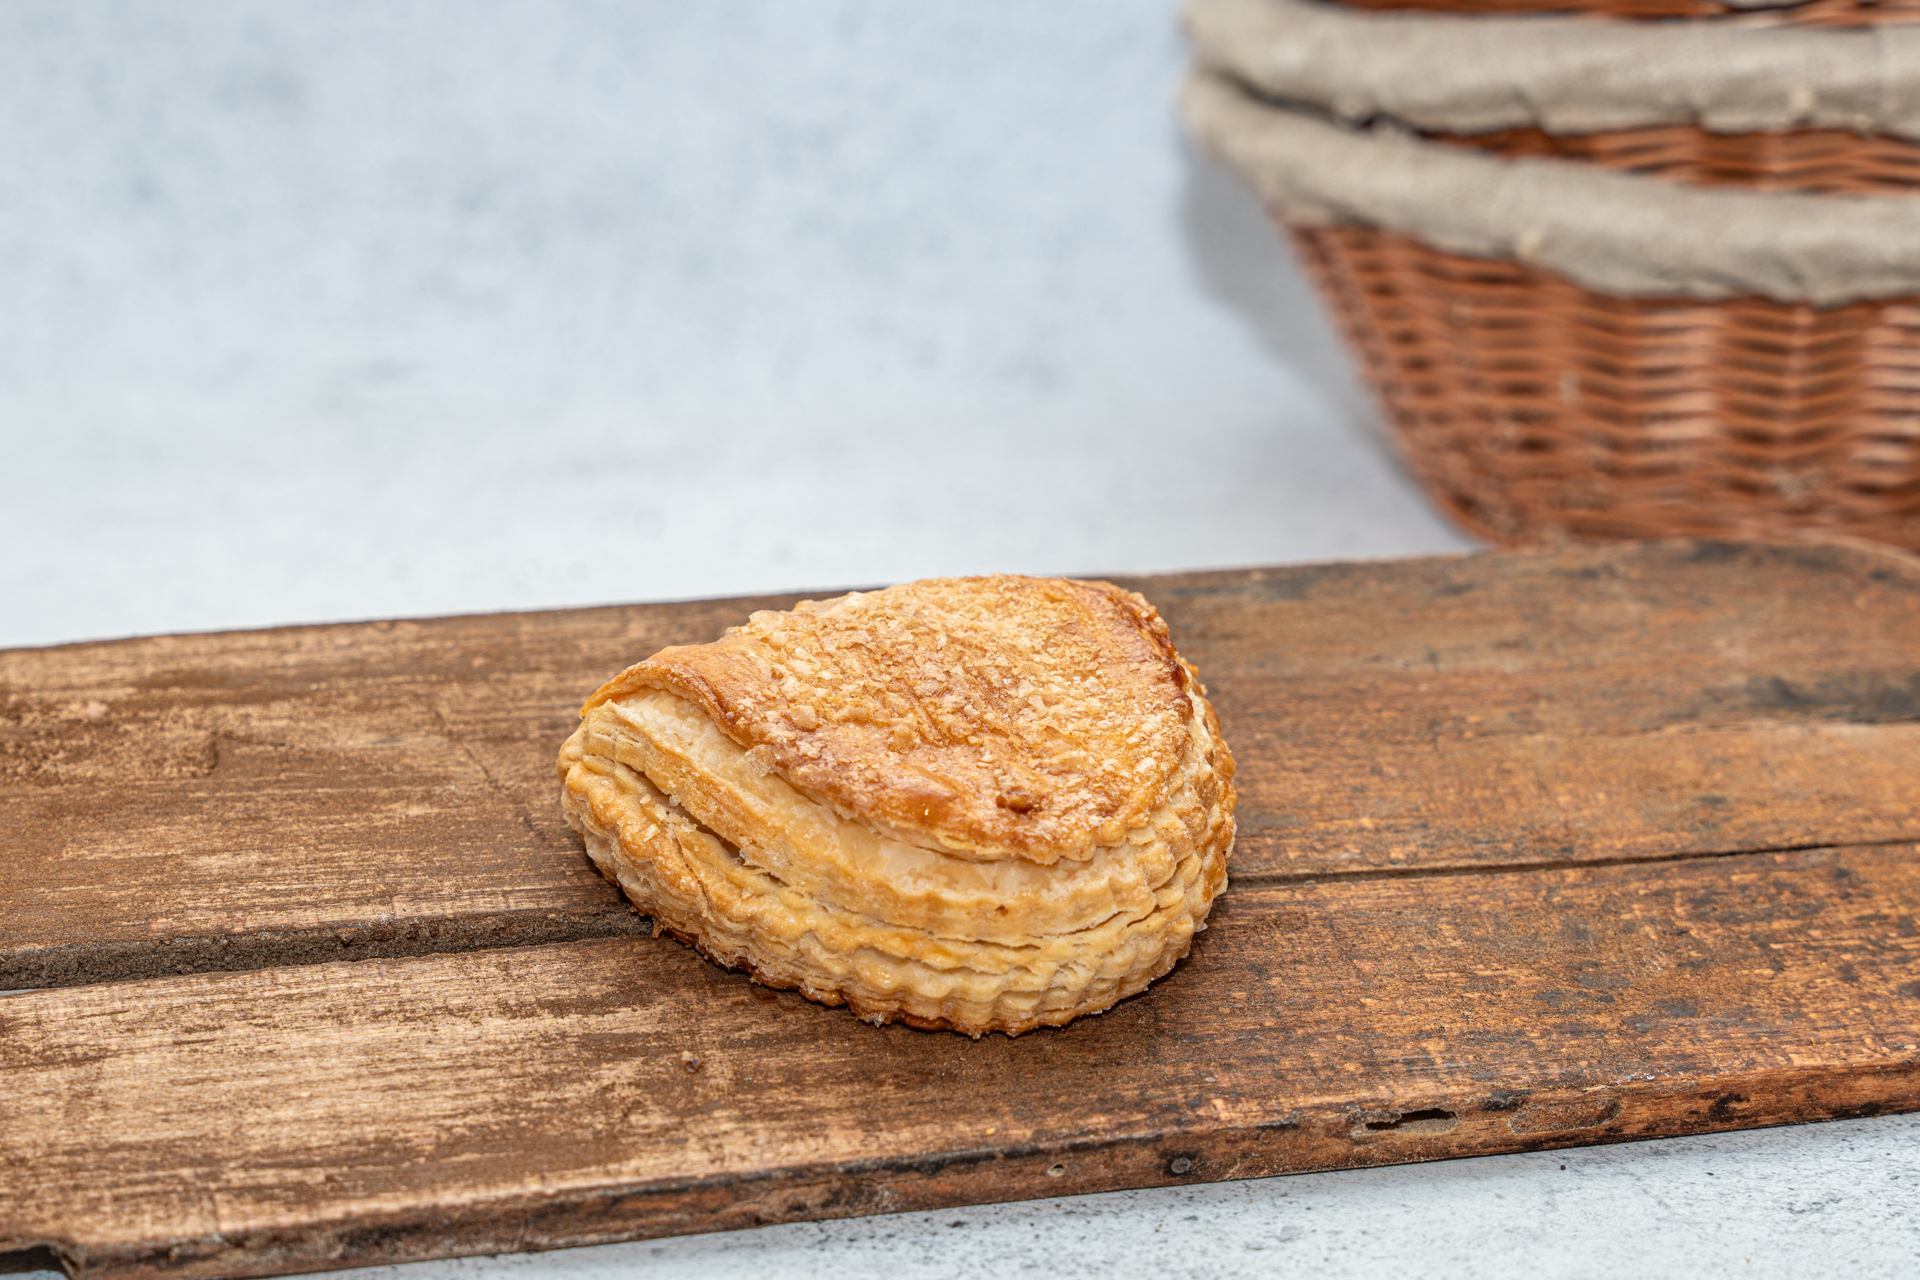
<point x="807" y="846"/>
<point x="990" y="717"/>
<point x="704" y="891"/>
<point x="985" y="804"/>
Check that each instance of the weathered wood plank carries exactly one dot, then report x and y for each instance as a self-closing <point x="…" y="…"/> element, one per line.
<point x="1589" y="704"/>
<point x="230" y="801"/>
<point x="338" y="1114"/>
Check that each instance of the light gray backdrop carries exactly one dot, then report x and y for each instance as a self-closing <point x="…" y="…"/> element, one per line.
<point x="352" y="309"/>
<point x="333" y="310"/>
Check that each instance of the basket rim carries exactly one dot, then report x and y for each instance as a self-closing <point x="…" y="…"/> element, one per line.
<point x="1823" y="13"/>
<point x="1619" y="233"/>
<point x="1565" y="74"/>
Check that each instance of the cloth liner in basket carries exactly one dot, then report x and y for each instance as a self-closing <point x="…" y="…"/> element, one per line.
<point x="1727" y="342"/>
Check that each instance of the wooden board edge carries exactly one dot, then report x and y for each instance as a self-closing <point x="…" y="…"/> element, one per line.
<point x="1347" y="1134"/>
<point x="1702" y="547"/>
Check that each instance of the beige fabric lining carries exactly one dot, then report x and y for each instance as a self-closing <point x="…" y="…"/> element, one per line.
<point x="1618" y="233"/>
<point x="1564" y="74"/>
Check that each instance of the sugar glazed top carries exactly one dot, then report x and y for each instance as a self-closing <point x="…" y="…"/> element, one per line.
<point x="994" y="717"/>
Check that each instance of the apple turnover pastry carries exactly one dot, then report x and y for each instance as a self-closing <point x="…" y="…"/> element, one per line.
<point x="980" y="804"/>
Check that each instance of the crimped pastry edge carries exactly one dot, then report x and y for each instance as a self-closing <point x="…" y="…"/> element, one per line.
<point x="806" y="845"/>
<point x="696" y="887"/>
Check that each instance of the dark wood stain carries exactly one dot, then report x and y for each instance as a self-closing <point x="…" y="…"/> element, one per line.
<point x="1538" y="849"/>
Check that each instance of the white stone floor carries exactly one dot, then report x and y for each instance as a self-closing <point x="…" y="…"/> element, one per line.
<point x="349" y="310"/>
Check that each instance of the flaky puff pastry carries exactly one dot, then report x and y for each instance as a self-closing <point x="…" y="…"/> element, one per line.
<point x="977" y="804"/>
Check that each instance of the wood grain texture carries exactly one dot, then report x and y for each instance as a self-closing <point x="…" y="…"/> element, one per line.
<point x="337" y="1114"/>
<point x="1638" y="701"/>
<point x="1537" y="849"/>
<point x="234" y="801"/>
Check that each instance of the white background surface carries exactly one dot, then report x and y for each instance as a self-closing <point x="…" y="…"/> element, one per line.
<point x="331" y="311"/>
<point x="349" y="309"/>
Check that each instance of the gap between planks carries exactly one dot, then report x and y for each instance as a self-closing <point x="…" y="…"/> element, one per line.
<point x="1261" y="879"/>
<point x="250" y="953"/>
<point x="219" y="803"/>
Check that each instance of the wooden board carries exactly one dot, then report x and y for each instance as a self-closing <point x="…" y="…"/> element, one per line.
<point x="1537" y="849"/>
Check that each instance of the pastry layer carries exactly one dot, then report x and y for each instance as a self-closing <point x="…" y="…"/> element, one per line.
<point x="978" y="804"/>
<point x="998" y="717"/>
<point x="699" y="887"/>
<point x="847" y="864"/>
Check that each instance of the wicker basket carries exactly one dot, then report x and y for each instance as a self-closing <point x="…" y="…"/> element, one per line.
<point x="1535" y="409"/>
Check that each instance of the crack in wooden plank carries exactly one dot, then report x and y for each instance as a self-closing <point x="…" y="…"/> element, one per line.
<point x="78" y="964"/>
<point x="1268" y="878"/>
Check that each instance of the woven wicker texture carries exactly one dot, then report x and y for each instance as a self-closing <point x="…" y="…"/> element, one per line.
<point x="1830" y="161"/>
<point x="1816" y="13"/>
<point x="1533" y="409"/>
